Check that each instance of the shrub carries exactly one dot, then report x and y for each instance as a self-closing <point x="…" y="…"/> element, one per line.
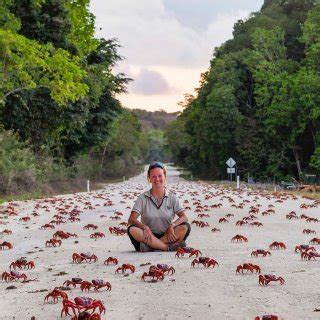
<point x="17" y="163"/>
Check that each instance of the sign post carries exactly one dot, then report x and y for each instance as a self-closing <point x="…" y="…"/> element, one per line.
<point x="230" y="170"/>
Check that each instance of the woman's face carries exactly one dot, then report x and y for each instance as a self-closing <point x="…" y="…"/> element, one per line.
<point x="157" y="177"/>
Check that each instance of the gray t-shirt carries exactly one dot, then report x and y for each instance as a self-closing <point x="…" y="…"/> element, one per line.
<point x="157" y="216"/>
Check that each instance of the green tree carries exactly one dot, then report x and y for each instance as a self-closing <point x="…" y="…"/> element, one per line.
<point x="82" y="26"/>
<point x="25" y="64"/>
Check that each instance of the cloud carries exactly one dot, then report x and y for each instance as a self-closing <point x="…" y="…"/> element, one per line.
<point x="160" y="41"/>
<point x="151" y="34"/>
<point x="149" y="82"/>
<point x="198" y="14"/>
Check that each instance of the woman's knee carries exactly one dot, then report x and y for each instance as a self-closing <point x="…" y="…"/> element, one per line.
<point x="182" y="227"/>
<point x="186" y="229"/>
<point x="134" y="232"/>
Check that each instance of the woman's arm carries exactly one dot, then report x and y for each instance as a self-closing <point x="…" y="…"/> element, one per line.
<point x="170" y="231"/>
<point x="133" y="221"/>
<point x="182" y="218"/>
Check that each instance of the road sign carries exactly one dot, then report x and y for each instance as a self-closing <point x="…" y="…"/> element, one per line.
<point x="230" y="162"/>
<point x="231" y="170"/>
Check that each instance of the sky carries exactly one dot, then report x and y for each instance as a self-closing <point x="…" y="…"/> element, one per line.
<point x="166" y="44"/>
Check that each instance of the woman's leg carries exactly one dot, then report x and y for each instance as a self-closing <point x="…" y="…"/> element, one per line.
<point x="181" y="231"/>
<point x="155" y="243"/>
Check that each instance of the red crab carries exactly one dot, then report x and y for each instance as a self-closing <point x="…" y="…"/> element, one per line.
<point x="117" y="231"/>
<point x="13" y="276"/>
<point x="111" y="260"/>
<point x="315" y="241"/>
<point x="90" y="226"/>
<point x="249" y="267"/>
<point x="203" y="215"/>
<point x="126" y="267"/>
<point x="6" y="231"/>
<point x="25" y="219"/>
<point x="84" y="315"/>
<point x="267" y="317"/>
<point x="55" y="295"/>
<point x="155" y="273"/>
<point x="73" y="282"/>
<point x="84" y="257"/>
<point x="97" y="284"/>
<point x="215" y="230"/>
<point x="239" y="238"/>
<point x="241" y="223"/>
<point x="264" y="280"/>
<point x="308" y="231"/>
<point x="260" y="251"/>
<point x="97" y="235"/>
<point x="192" y="252"/>
<point x="115" y="218"/>
<point x="53" y="243"/>
<point x="6" y="244"/>
<point x="292" y="215"/>
<point x="81" y="304"/>
<point x="205" y="261"/>
<point x="47" y="226"/>
<point x="22" y="263"/>
<point x="73" y="219"/>
<point x="64" y="235"/>
<point x="203" y="224"/>
<point x="256" y="224"/>
<point x="304" y="247"/>
<point x="277" y="245"/>
<point x="310" y="255"/>
<point x="166" y="269"/>
<point x="223" y="220"/>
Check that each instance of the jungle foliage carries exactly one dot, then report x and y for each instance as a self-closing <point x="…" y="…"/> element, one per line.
<point x="259" y="101"/>
<point x="57" y="95"/>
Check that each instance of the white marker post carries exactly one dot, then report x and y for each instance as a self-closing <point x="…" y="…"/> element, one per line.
<point x="238" y="182"/>
<point x="88" y="185"/>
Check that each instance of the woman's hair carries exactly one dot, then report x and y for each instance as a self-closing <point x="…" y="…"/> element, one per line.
<point x="157" y="165"/>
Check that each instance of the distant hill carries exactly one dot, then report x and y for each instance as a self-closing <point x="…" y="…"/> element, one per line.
<point x="156" y="119"/>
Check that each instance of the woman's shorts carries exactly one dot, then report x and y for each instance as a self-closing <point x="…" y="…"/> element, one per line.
<point x="136" y="243"/>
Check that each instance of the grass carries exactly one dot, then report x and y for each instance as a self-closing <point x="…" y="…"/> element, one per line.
<point x="268" y="187"/>
<point x="313" y="195"/>
<point x="65" y="187"/>
<point x="24" y="196"/>
<point x="62" y="187"/>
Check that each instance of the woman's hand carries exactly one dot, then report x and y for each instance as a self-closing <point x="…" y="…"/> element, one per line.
<point x="147" y="234"/>
<point x="171" y="236"/>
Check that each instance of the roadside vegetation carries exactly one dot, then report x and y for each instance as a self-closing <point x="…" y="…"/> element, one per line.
<point x="60" y="122"/>
<point x="259" y="101"/>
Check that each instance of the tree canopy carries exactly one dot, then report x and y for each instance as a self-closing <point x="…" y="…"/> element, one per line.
<point x="259" y="101"/>
<point x="58" y="88"/>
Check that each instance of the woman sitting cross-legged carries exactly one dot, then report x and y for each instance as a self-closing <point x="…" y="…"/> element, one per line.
<point x="158" y="207"/>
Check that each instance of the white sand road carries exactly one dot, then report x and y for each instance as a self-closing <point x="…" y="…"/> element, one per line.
<point x="197" y="293"/>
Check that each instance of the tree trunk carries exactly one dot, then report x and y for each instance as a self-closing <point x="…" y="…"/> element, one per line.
<point x="296" y="156"/>
<point x="102" y="158"/>
<point x="312" y="129"/>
